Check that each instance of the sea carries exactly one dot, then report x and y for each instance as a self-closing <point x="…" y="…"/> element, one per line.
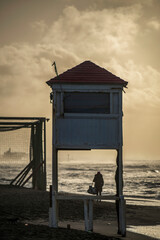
<point x="141" y="178"/>
<point x="141" y="181"/>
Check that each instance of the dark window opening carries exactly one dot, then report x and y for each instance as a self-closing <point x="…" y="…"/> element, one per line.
<point x="87" y="103"/>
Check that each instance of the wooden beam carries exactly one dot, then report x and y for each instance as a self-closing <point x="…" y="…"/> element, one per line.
<point x="21" y="173"/>
<point x="11" y="124"/>
<point x="85" y="197"/>
<point x="35" y="171"/>
<point x="23" y="118"/>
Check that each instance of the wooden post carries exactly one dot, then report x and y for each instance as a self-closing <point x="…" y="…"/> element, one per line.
<point x="54" y="190"/>
<point x="54" y="211"/>
<point x="50" y="196"/>
<point x="86" y="215"/>
<point x="120" y="174"/>
<point x="122" y="216"/>
<point x="44" y="144"/>
<point x="55" y="170"/>
<point x="91" y="215"/>
<point x="50" y="207"/>
<point x="120" y="204"/>
<point x="54" y="150"/>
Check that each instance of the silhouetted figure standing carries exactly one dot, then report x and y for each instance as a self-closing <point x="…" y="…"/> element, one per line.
<point x="99" y="182"/>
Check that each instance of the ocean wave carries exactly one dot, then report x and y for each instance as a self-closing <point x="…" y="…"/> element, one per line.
<point x="155" y="171"/>
<point x="157" y="196"/>
<point x="73" y="175"/>
<point x="74" y="169"/>
<point x="142" y="179"/>
<point x="5" y="179"/>
<point x="136" y="166"/>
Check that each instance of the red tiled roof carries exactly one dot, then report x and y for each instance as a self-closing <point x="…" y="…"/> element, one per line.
<point x="87" y="72"/>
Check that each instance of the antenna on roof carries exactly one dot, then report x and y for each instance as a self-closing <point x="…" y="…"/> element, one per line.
<point x="55" y="68"/>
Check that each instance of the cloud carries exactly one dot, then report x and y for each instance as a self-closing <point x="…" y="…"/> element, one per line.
<point x="5" y="70"/>
<point x="95" y="31"/>
<point x="105" y="36"/>
<point x="154" y="24"/>
<point x="39" y="26"/>
<point x="143" y="85"/>
<point x="108" y="37"/>
<point x="23" y="90"/>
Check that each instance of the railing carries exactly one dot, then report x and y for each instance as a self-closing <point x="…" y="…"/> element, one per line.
<point x="88" y="209"/>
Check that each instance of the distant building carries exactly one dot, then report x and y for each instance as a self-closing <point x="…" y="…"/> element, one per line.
<point x="14" y="155"/>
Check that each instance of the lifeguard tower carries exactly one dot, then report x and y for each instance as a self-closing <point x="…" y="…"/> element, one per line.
<point x="87" y="114"/>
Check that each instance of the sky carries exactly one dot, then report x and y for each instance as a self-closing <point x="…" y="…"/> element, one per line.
<point x="121" y="36"/>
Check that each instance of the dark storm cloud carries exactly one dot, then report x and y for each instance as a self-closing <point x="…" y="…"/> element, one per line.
<point x="5" y="70"/>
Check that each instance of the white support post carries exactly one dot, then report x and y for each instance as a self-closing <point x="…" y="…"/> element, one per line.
<point x="86" y="215"/>
<point x="53" y="213"/>
<point x="91" y="215"/>
<point x="53" y="210"/>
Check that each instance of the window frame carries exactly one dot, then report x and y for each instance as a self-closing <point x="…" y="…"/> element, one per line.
<point x="91" y="112"/>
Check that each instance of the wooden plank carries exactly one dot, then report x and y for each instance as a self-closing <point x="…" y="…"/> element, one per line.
<point x="85" y="197"/>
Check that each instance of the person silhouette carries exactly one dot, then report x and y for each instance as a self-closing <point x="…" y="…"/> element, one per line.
<point x="99" y="182"/>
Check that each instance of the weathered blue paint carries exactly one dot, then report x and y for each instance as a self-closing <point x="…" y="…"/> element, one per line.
<point x="87" y="130"/>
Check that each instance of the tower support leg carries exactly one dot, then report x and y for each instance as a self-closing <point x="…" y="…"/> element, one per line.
<point x="53" y="212"/>
<point x="120" y="204"/>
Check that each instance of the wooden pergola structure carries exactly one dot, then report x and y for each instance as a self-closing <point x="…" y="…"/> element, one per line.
<point x="36" y="168"/>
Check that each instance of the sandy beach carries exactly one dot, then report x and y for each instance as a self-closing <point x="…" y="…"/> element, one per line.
<point x="24" y="215"/>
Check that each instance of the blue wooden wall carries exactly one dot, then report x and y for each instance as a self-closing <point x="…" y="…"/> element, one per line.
<point x="86" y="128"/>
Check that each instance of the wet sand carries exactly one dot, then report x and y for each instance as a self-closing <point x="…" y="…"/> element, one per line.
<point x="24" y="215"/>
